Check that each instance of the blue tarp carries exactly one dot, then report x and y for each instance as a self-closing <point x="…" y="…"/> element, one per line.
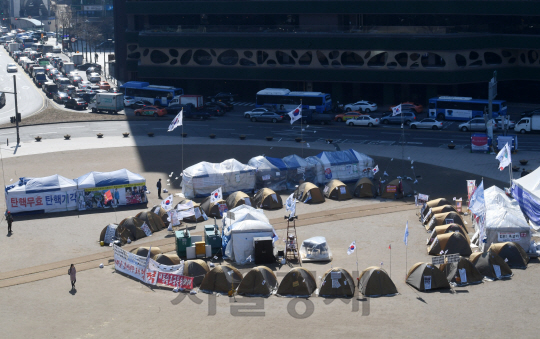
<point x="337" y="158"/>
<point x="298" y="169"/>
<point x="529" y="205"/>
<point x="41" y="185"/>
<point x="104" y="179"/>
<point x="277" y="162"/>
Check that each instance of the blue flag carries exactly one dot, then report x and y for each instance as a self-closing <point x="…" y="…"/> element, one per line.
<point x="406" y="237"/>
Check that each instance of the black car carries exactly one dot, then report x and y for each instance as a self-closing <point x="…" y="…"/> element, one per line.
<point x="222" y="96"/>
<point x="76" y="103"/>
<point x="60" y="97"/>
<point x="49" y="88"/>
<point x="93" y="69"/>
<point x="189" y="112"/>
<point x="530" y="113"/>
<point x="87" y="65"/>
<point x="225" y="106"/>
<point x="141" y="103"/>
<point x="40" y="79"/>
<point x="215" y="110"/>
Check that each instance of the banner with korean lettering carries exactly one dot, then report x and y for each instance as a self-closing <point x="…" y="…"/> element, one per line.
<point x="129" y="263"/>
<point x="174" y="280"/>
<point x="48" y="202"/>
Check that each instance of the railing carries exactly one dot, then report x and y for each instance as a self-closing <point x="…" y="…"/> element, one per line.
<point x="329" y="29"/>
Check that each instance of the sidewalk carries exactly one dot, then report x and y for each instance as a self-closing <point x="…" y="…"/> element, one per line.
<point x="484" y="165"/>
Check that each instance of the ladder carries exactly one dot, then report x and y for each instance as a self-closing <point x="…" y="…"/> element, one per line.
<point x="291" y="241"/>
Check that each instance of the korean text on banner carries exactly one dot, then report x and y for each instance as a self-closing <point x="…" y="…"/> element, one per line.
<point x="129" y="263"/>
<point x="174" y="280"/>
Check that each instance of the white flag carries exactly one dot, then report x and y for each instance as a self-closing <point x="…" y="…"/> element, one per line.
<point x="295" y="114"/>
<point x="216" y="195"/>
<point x="177" y="121"/>
<point x="376" y="169"/>
<point x="406" y="237"/>
<point x="396" y="110"/>
<point x="477" y="204"/>
<point x="504" y="157"/>
<point x="290" y="205"/>
<point x="167" y="204"/>
<point x="351" y="248"/>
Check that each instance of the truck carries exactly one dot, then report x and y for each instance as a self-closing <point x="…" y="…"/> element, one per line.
<point x="12" y="47"/>
<point x="68" y="67"/>
<point x="37" y="70"/>
<point x="196" y="100"/>
<point x="77" y="58"/>
<point x="528" y="124"/>
<point x="107" y="102"/>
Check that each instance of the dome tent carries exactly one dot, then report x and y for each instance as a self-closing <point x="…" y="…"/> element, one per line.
<point x="315" y="249"/>
<point x="365" y="188"/>
<point x="298" y="282"/>
<point x="375" y="282"/>
<point x="160" y="212"/>
<point x="491" y="265"/>
<point x="260" y="281"/>
<point x="267" y="199"/>
<point x="513" y="254"/>
<point x="198" y="216"/>
<point x="221" y="279"/>
<point x="337" y="283"/>
<point x="196" y="269"/>
<point x="299" y="171"/>
<point x="143" y="251"/>
<point x="462" y="273"/>
<point x="448" y="228"/>
<point x="394" y="189"/>
<point x="445" y="218"/>
<point x="425" y="277"/>
<point x="152" y="220"/>
<point x="133" y="224"/>
<point x="201" y="179"/>
<point x="211" y="209"/>
<point x="450" y="243"/>
<point x="167" y="259"/>
<point x="433" y="203"/>
<point x="308" y="194"/>
<point x="337" y="190"/>
<point x="120" y="233"/>
<point x="238" y="198"/>
<point x="270" y="172"/>
<point x="437" y="210"/>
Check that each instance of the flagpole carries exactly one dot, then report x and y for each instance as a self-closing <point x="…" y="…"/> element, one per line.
<point x="390" y="261"/>
<point x="356" y="257"/>
<point x="302" y="133"/>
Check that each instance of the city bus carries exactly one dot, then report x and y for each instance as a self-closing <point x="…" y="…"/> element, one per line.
<point x="159" y="95"/>
<point x="463" y="108"/>
<point x="283" y="100"/>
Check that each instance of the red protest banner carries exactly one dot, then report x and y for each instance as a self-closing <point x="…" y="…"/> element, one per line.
<point x="175" y="280"/>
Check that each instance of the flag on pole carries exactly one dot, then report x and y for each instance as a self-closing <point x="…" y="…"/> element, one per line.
<point x="216" y="195"/>
<point x="295" y="114"/>
<point x="406" y="237"/>
<point x="477" y="203"/>
<point x="177" y="121"/>
<point x="107" y="197"/>
<point x="167" y="204"/>
<point x="376" y="169"/>
<point x="390" y="246"/>
<point x="351" y="248"/>
<point x="290" y="205"/>
<point x="504" y="157"/>
<point x="396" y="110"/>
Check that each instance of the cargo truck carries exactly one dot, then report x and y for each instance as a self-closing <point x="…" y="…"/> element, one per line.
<point x="196" y="100"/>
<point x="528" y="124"/>
<point x="107" y="102"/>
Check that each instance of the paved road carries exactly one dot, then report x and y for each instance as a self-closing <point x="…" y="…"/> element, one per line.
<point x="30" y="98"/>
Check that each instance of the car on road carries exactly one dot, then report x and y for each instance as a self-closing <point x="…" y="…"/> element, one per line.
<point x="40" y="79"/>
<point x="427" y="123"/>
<point x="222" y="96"/>
<point x="410" y="106"/>
<point x="259" y="110"/>
<point x="76" y="103"/>
<point x="104" y="85"/>
<point x="189" y="112"/>
<point x="141" y="103"/>
<point x="364" y="120"/>
<point x="222" y="106"/>
<point x="57" y="49"/>
<point x="361" y="106"/>
<point x="84" y="84"/>
<point x="11" y="67"/>
<point x="267" y="116"/>
<point x="129" y="101"/>
<point x="408" y="117"/>
<point x="87" y="65"/>
<point x="75" y="80"/>
<point x="500" y="124"/>
<point x="476" y="124"/>
<point x="60" y="97"/>
<point x="96" y="69"/>
<point x="151" y="110"/>
<point x="49" y="88"/>
<point x="346" y="116"/>
<point x="94" y="78"/>
<point x="52" y="72"/>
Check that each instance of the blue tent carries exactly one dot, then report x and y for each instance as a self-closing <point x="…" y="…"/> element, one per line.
<point x="271" y="173"/>
<point x="299" y="170"/>
<point x="40" y="185"/>
<point x="104" y="179"/>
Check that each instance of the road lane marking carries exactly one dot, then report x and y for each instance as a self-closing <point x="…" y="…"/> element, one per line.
<point x="74" y="127"/>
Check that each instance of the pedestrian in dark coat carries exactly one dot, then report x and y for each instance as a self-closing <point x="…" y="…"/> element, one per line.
<point x="72" y="276"/>
<point x="9" y="219"/>
<point x="159" y="189"/>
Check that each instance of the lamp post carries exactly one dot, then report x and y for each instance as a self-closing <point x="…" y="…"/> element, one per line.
<point x="16" y="108"/>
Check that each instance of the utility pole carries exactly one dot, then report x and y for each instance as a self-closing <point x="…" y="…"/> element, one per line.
<point x="492" y="93"/>
<point x="17" y="115"/>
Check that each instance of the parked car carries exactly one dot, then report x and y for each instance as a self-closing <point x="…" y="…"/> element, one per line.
<point x="11" y="67"/>
<point x="151" y="110"/>
<point x="500" y="125"/>
<point x="364" y="120"/>
<point x="222" y="96"/>
<point x="87" y="65"/>
<point x="104" y="85"/>
<point x="76" y="103"/>
<point x="60" y="97"/>
<point x="410" y="106"/>
<point x="257" y="111"/>
<point x="361" y="106"/>
<point x="214" y="110"/>
<point x="408" y="117"/>
<point x="427" y="123"/>
<point x="141" y="103"/>
<point x="267" y="116"/>
<point x="347" y="116"/>
<point x="225" y="106"/>
<point x="476" y="124"/>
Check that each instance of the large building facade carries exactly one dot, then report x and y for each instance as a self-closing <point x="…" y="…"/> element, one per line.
<point x="385" y="50"/>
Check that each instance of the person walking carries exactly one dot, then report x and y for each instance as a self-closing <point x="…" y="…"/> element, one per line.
<point x="72" y="276"/>
<point x="96" y="55"/>
<point x="159" y="189"/>
<point x="9" y="219"/>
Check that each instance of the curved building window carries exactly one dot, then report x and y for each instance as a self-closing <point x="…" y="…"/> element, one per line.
<point x="284" y="59"/>
<point x="432" y="60"/>
<point x="158" y="57"/>
<point x="492" y="58"/>
<point x="351" y="59"/>
<point x="228" y="58"/>
<point x="202" y="57"/>
<point x="378" y="60"/>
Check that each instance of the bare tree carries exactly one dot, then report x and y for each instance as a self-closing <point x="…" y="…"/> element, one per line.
<point x="64" y="17"/>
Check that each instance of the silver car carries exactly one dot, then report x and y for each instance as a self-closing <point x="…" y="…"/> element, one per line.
<point x="266" y="116"/>
<point x="11" y="67"/>
<point x="476" y="124"/>
<point x="257" y="111"/>
<point x="427" y="123"/>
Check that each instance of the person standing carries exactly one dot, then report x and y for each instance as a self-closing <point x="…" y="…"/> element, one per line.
<point x="9" y="219"/>
<point x="159" y="189"/>
<point x="72" y="276"/>
<point x="96" y="55"/>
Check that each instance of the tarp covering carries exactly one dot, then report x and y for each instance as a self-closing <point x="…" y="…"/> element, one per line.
<point x="221" y="279"/>
<point x="133" y="224"/>
<point x="152" y="220"/>
<point x="526" y="191"/>
<point x="491" y="265"/>
<point x="347" y="166"/>
<point x="231" y="175"/>
<point x="105" y="179"/>
<point x="337" y="190"/>
<point x="365" y="188"/>
<point x="505" y="220"/>
<point x="267" y="199"/>
<point x="315" y="249"/>
<point x="270" y="173"/>
<point x="337" y="283"/>
<point x="48" y="194"/>
<point x="513" y="254"/>
<point x="198" y="213"/>
<point x="462" y="273"/>
<point x="299" y="171"/>
<point x="143" y="251"/>
<point x="169" y="259"/>
<point x="260" y="281"/>
<point x="375" y="282"/>
<point x="299" y="282"/>
<point x="425" y="277"/>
